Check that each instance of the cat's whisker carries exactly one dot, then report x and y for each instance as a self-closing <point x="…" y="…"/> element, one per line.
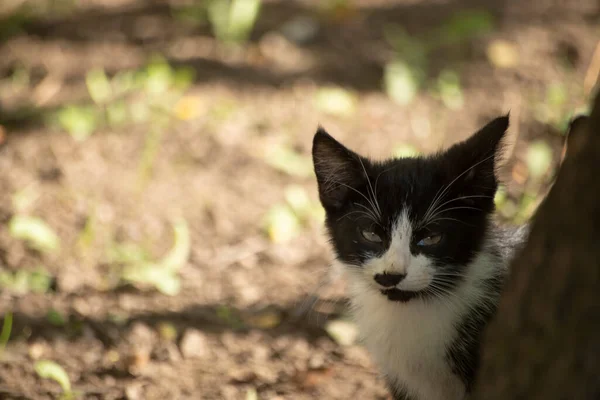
<point x="356" y="191"/>
<point x="381" y="173"/>
<point x="374" y="197"/>
<point x="441" y="195"/>
<point x="458" y="199"/>
<point x="454" y="208"/>
<point x="369" y="211"/>
<point x="446" y="219"/>
<point x="368" y="215"/>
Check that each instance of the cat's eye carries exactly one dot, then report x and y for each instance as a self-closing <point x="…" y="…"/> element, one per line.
<point x="430" y="240"/>
<point x="371" y="236"/>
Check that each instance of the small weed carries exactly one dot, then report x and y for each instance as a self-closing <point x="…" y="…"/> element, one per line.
<point x="449" y="90"/>
<point x="335" y="101"/>
<point x="538" y="159"/>
<point x="6" y="330"/>
<point x="23" y="281"/>
<point x="139" y="269"/>
<point x="554" y="108"/>
<point x="47" y="369"/>
<point x="137" y="96"/>
<point x="56" y="318"/>
<point x="405" y="75"/>
<point x="80" y="121"/>
<point x="232" y="21"/>
<point x="230" y="317"/>
<point x="35" y="232"/>
<point x="283" y="222"/>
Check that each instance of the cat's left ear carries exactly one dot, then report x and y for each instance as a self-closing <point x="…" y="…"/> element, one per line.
<point x="339" y="170"/>
<point x="474" y="161"/>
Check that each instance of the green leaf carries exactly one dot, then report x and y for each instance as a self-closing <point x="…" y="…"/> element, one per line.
<point x="183" y="78"/>
<point x="448" y="85"/>
<point x="117" y="113"/>
<point x="6" y="330"/>
<point x="163" y="279"/>
<point x="127" y="253"/>
<point x="298" y="200"/>
<point x="159" y="76"/>
<point x="282" y="224"/>
<point x="335" y="101"/>
<point x="287" y="160"/>
<point x="218" y="15"/>
<point x="47" y="369"/>
<point x="98" y="86"/>
<point x="35" y="232"/>
<point x="401" y="82"/>
<point x="182" y="246"/>
<point x="162" y="274"/>
<point x="79" y="121"/>
<point x="539" y="158"/>
<point x="55" y="318"/>
<point x="39" y="280"/>
<point x="242" y="16"/>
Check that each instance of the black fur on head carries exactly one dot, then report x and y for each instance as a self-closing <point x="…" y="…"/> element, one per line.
<point x="451" y="192"/>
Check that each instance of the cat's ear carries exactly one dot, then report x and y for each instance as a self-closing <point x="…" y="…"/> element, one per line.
<point x="338" y="169"/>
<point x="474" y="162"/>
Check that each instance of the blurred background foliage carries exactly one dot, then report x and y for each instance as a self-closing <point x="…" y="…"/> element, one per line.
<point x="156" y="170"/>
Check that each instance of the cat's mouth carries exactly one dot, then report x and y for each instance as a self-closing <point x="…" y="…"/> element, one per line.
<point x="399" y="295"/>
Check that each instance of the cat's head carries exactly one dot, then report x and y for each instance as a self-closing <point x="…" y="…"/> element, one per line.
<point x="409" y="226"/>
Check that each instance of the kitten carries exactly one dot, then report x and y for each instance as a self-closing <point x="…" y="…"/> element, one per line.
<point x="424" y="262"/>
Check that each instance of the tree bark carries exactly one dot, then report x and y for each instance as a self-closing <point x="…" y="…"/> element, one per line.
<point x="545" y="340"/>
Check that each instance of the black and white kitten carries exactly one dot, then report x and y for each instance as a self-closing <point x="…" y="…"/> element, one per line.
<point x="424" y="262"/>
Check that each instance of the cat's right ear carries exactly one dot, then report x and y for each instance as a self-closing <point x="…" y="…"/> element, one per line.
<point x="339" y="170"/>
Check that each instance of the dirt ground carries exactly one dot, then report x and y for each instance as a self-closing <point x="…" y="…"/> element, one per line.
<point x="239" y="326"/>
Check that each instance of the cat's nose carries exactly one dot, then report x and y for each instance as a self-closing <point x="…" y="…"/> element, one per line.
<point x="389" y="280"/>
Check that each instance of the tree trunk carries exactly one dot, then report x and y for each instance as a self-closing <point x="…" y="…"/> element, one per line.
<point x="545" y="341"/>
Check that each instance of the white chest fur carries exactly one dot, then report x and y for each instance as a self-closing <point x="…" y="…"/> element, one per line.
<point x="409" y="341"/>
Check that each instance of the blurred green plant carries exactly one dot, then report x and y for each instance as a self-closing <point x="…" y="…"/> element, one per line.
<point x="134" y="96"/>
<point x="230" y="317"/>
<point x="47" y="369"/>
<point x="139" y="269"/>
<point x="232" y="21"/>
<point x="449" y="90"/>
<point x="6" y="330"/>
<point x="405" y="75"/>
<point x="13" y="23"/>
<point x="24" y="281"/>
<point x="335" y="101"/>
<point x="285" y="221"/>
<point x="555" y="106"/>
<point x="520" y="208"/>
<point x="35" y="232"/>
<point x="56" y="318"/>
<point x="286" y="159"/>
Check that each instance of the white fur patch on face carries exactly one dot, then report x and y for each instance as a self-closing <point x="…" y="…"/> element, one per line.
<point x="399" y="260"/>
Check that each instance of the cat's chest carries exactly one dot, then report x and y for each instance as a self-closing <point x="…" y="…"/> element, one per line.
<point x="409" y="343"/>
